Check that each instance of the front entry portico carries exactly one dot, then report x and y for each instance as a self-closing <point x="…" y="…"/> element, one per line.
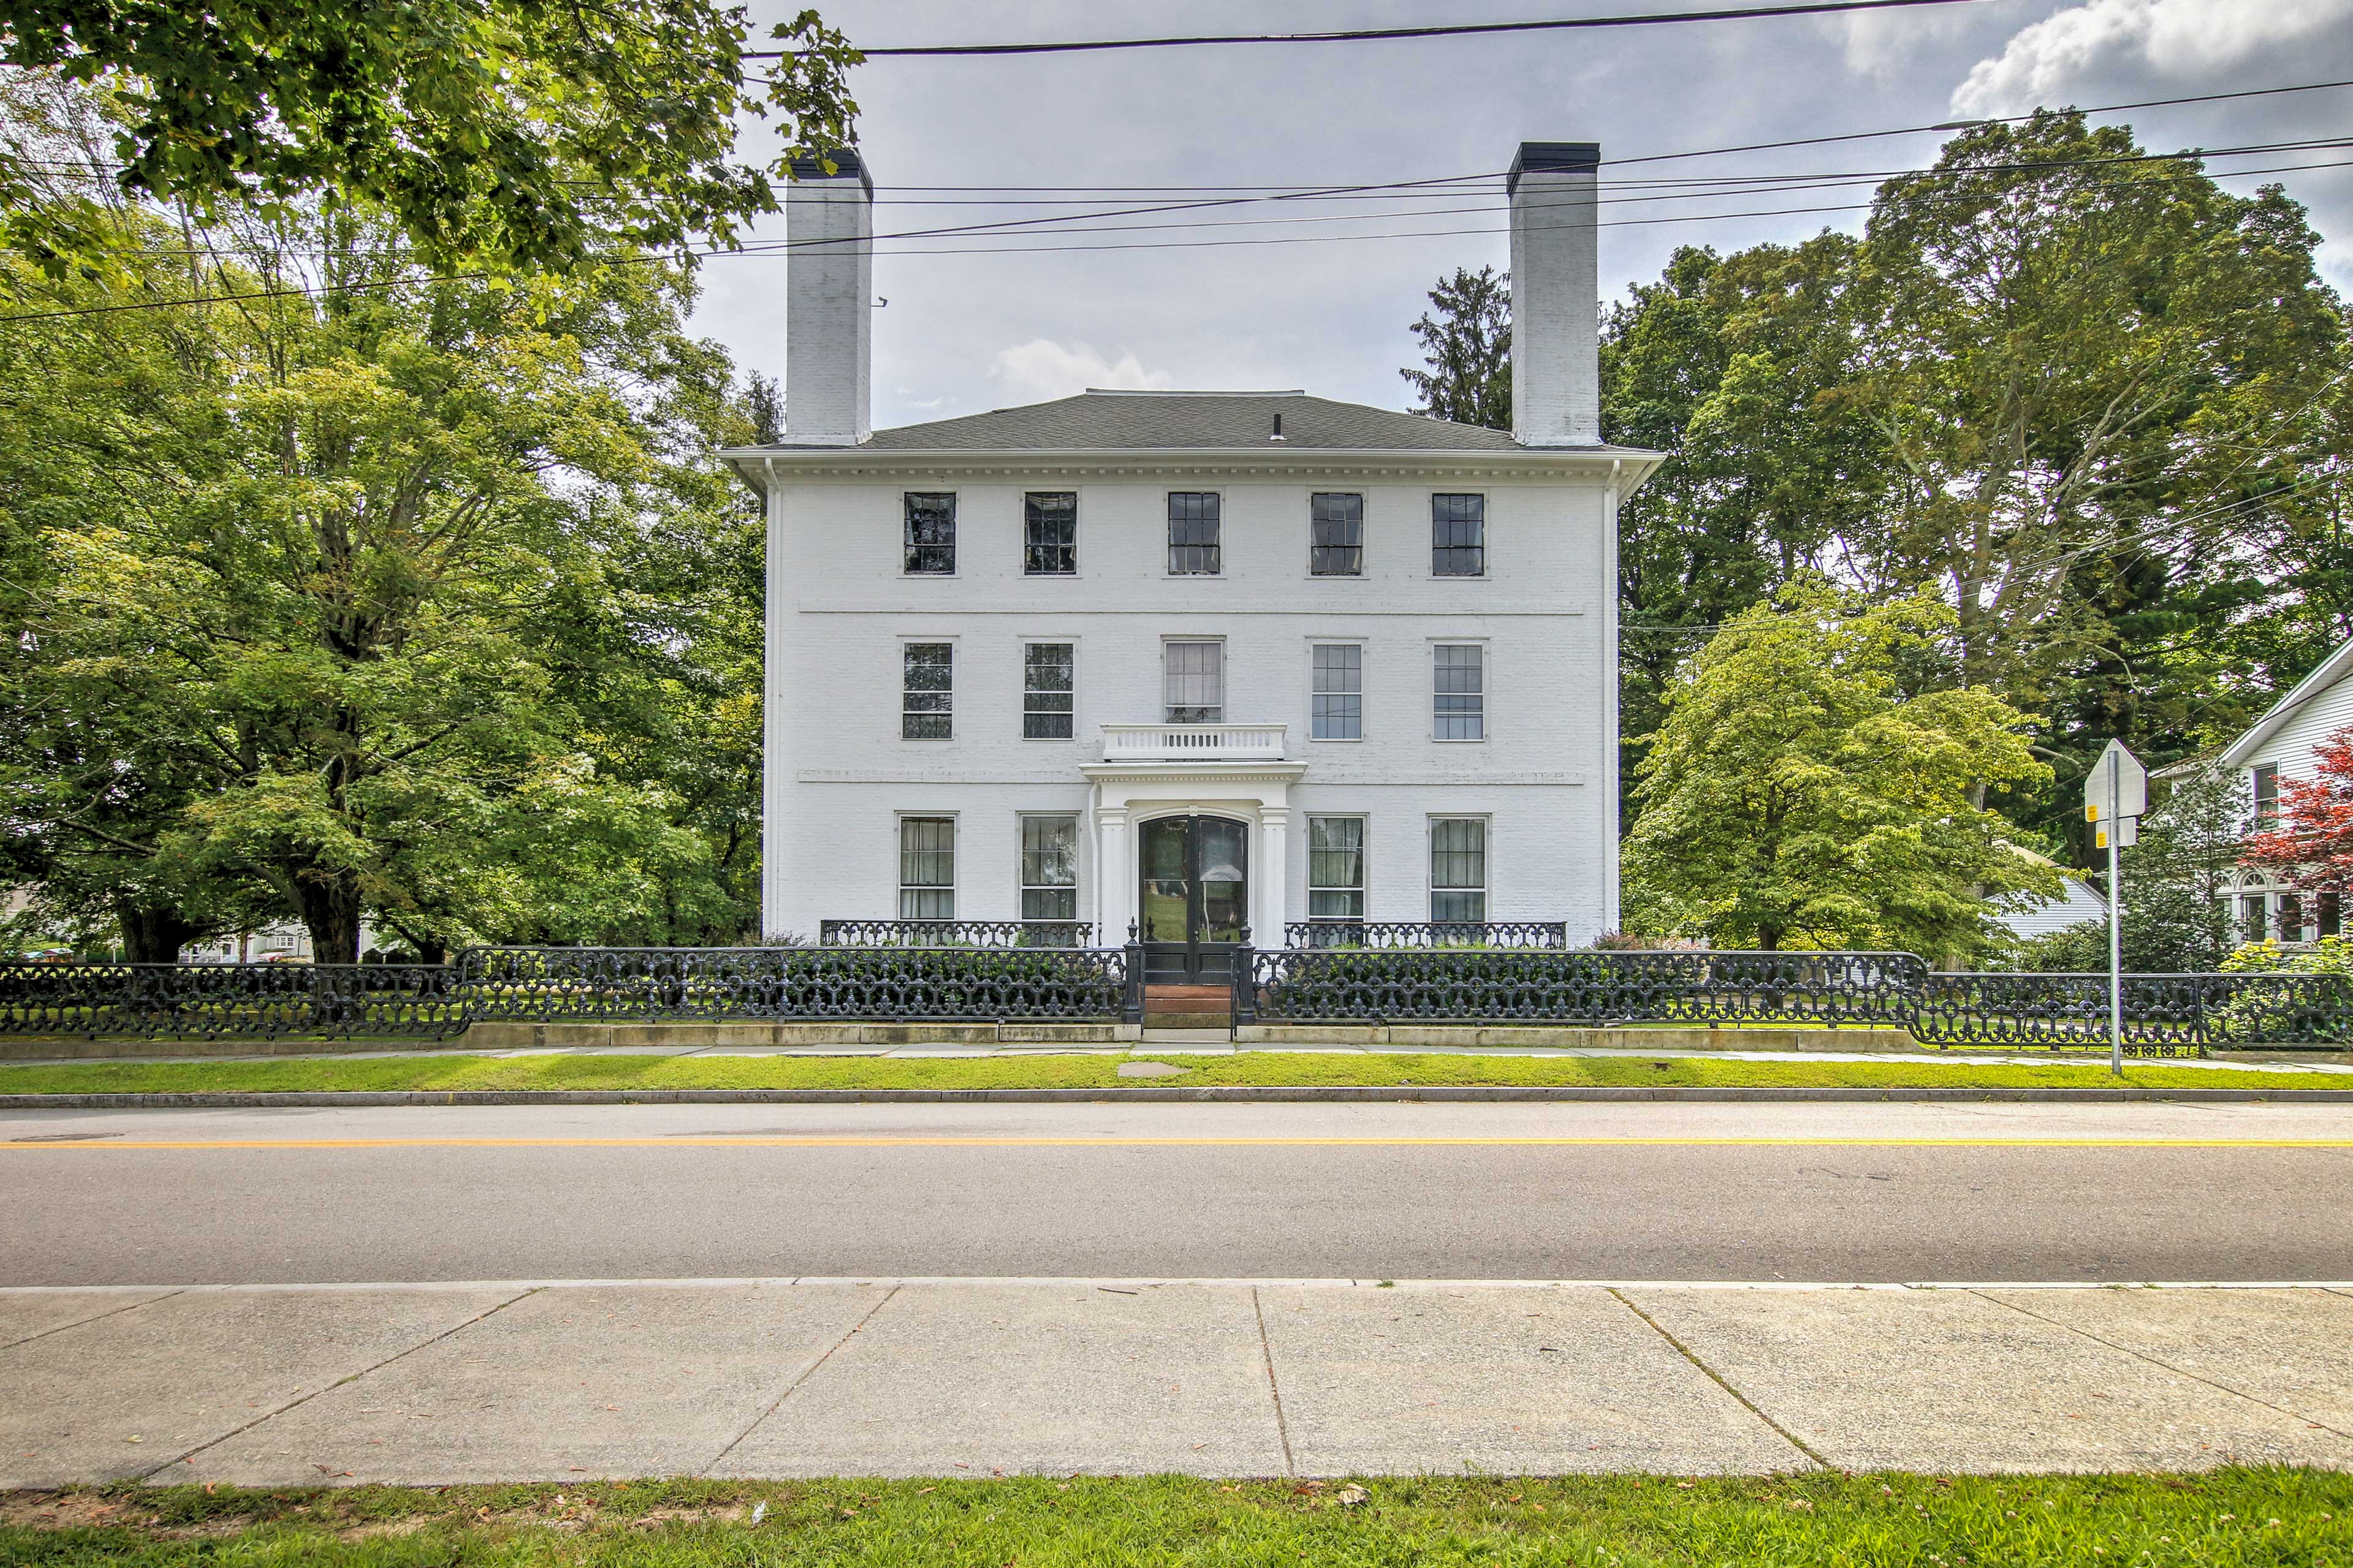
<point x="1191" y="847"/>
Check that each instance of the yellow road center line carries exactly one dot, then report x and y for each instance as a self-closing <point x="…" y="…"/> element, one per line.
<point x="820" y="1142"/>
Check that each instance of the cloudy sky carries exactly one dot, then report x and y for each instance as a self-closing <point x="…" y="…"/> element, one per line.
<point x="1021" y="322"/>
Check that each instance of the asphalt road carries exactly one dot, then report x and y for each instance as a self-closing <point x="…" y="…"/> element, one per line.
<point x="1631" y="1192"/>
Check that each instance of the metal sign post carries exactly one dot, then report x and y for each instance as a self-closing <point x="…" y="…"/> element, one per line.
<point x="2116" y="796"/>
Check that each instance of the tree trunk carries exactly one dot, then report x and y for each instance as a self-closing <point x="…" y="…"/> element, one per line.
<point x="153" y="935"/>
<point x="331" y="909"/>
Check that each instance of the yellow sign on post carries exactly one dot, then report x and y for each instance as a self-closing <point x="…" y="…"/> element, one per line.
<point x="2115" y="795"/>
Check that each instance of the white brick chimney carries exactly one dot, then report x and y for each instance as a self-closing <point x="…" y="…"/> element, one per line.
<point x="829" y="302"/>
<point x="1556" y="295"/>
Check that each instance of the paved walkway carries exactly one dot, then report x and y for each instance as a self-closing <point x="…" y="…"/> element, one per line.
<point x="518" y="1379"/>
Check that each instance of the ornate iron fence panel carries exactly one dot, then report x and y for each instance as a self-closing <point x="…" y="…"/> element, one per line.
<point x="1426" y="933"/>
<point x="230" y="1001"/>
<point x="956" y="934"/>
<point x="2164" y="1015"/>
<point x="1375" y="986"/>
<point x="913" y="984"/>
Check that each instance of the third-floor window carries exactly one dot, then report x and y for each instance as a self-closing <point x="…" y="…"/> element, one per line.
<point x="1193" y="548"/>
<point x="1457" y="536"/>
<point x="931" y="535"/>
<point x="1050" y="534"/>
<point x="1336" y="535"/>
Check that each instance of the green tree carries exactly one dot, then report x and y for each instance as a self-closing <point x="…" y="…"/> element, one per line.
<point x="1466" y="342"/>
<point x="1798" y="796"/>
<point x="420" y="602"/>
<point x="494" y="133"/>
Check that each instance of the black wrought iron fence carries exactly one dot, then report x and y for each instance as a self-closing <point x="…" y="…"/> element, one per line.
<point x="230" y="1001"/>
<point x="2164" y="1015"/>
<point x="956" y="934"/>
<point x="913" y="984"/>
<point x="1426" y="933"/>
<point x="1507" y="985"/>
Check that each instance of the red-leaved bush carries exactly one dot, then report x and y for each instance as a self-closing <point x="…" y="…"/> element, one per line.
<point x="2311" y="848"/>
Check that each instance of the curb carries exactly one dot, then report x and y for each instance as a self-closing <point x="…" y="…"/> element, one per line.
<point x="1309" y="1095"/>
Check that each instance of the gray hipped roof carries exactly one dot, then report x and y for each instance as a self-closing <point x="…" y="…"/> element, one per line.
<point x="1160" y="421"/>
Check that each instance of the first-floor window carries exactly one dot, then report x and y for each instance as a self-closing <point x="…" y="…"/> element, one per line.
<point x="927" y="691"/>
<point x="1335" y="868"/>
<point x="1046" y="669"/>
<point x="927" y="867"/>
<point x="1458" y="869"/>
<point x="2252" y="921"/>
<point x="1050" y="867"/>
<point x="1458" y="680"/>
<point x="1193" y="682"/>
<point x="2290" y="919"/>
<point x="2324" y="911"/>
<point x="1336" y="710"/>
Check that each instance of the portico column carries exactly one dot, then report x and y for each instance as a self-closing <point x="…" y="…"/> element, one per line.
<point x="1274" y="822"/>
<point x="1114" y="905"/>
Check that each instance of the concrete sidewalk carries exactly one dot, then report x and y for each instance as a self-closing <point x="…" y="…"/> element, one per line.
<point x="430" y="1384"/>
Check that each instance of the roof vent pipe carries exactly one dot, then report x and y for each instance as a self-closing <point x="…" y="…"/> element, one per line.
<point x="1278" y="429"/>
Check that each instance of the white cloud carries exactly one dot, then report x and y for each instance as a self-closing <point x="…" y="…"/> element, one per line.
<point x="1041" y="369"/>
<point x="2180" y="39"/>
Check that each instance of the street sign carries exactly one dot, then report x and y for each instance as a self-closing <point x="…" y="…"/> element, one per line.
<point x="2116" y="786"/>
<point x="2123" y="833"/>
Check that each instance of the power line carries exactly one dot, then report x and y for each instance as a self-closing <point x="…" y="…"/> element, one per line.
<point x="1373" y="34"/>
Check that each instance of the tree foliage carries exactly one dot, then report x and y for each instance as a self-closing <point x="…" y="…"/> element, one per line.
<point x="417" y="600"/>
<point x="1802" y="793"/>
<point x="2310" y="847"/>
<point x="1466" y="342"/>
<point x="503" y="132"/>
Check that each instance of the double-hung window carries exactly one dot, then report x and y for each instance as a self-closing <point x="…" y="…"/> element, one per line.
<point x="1337" y="703"/>
<point x="1193" y="549"/>
<point x="927" y="691"/>
<point x="927" y="867"/>
<point x="1457" y="536"/>
<point x="1050" y="525"/>
<point x="1193" y="682"/>
<point x="1459" y="692"/>
<point x="931" y="535"/>
<point x="1335" y="535"/>
<point x="1458" y="869"/>
<point x="1046" y="671"/>
<point x="2266" y="783"/>
<point x="1050" y="867"/>
<point x="1335" y="868"/>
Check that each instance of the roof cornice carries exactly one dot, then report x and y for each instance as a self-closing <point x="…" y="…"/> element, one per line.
<point x="757" y="464"/>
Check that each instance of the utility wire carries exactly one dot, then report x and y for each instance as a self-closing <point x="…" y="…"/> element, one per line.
<point x="1371" y="35"/>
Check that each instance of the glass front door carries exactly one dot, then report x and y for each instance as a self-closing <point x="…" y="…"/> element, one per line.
<point x="1195" y="898"/>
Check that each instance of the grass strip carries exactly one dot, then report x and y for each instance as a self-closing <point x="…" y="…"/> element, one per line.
<point x="2223" y="1519"/>
<point x="437" y="1073"/>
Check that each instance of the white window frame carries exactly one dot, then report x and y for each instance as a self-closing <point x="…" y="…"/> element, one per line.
<point x="1487" y="689"/>
<point x="955" y="533"/>
<point x="1166" y="566"/>
<point x="1077" y="509"/>
<point x="1361" y="549"/>
<point x="899" y="846"/>
<point x="1024" y="887"/>
<point x="904" y="644"/>
<point x="1051" y="640"/>
<point x="1171" y="641"/>
<point x="1363" y="889"/>
<point x="1315" y="647"/>
<point x="1487" y="887"/>
<point x="1429" y="565"/>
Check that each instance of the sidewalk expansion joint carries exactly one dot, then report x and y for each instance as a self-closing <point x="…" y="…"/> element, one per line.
<point x="2166" y="1366"/>
<point x="1718" y="1379"/>
<point x="794" y="1387"/>
<point x="95" y="1317"/>
<point x="1266" y="1349"/>
<point x="274" y="1413"/>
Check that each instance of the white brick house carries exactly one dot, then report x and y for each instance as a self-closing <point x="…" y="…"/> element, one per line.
<point x="1200" y="661"/>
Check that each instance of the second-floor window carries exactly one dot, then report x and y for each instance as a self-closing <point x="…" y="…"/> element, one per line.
<point x="1336" y="535"/>
<point x="1336" y="706"/>
<point x="1459" y="702"/>
<point x="1050" y="534"/>
<point x="1457" y="536"/>
<point x="2266" y="797"/>
<point x="931" y="535"/>
<point x="927" y="691"/>
<point x="1046" y="669"/>
<point x="1193" y="548"/>
<point x="1193" y="682"/>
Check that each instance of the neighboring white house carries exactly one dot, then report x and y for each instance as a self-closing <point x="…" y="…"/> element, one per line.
<point x="2075" y="902"/>
<point x="2281" y="745"/>
<point x="1195" y="659"/>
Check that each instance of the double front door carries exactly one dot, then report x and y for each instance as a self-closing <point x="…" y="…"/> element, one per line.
<point x="1195" y="898"/>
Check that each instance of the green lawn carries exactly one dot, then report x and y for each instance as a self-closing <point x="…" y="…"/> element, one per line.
<point x="424" y="1071"/>
<point x="2231" y="1517"/>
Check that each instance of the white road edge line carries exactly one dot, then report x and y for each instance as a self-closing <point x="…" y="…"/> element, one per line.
<point x="1089" y="1281"/>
